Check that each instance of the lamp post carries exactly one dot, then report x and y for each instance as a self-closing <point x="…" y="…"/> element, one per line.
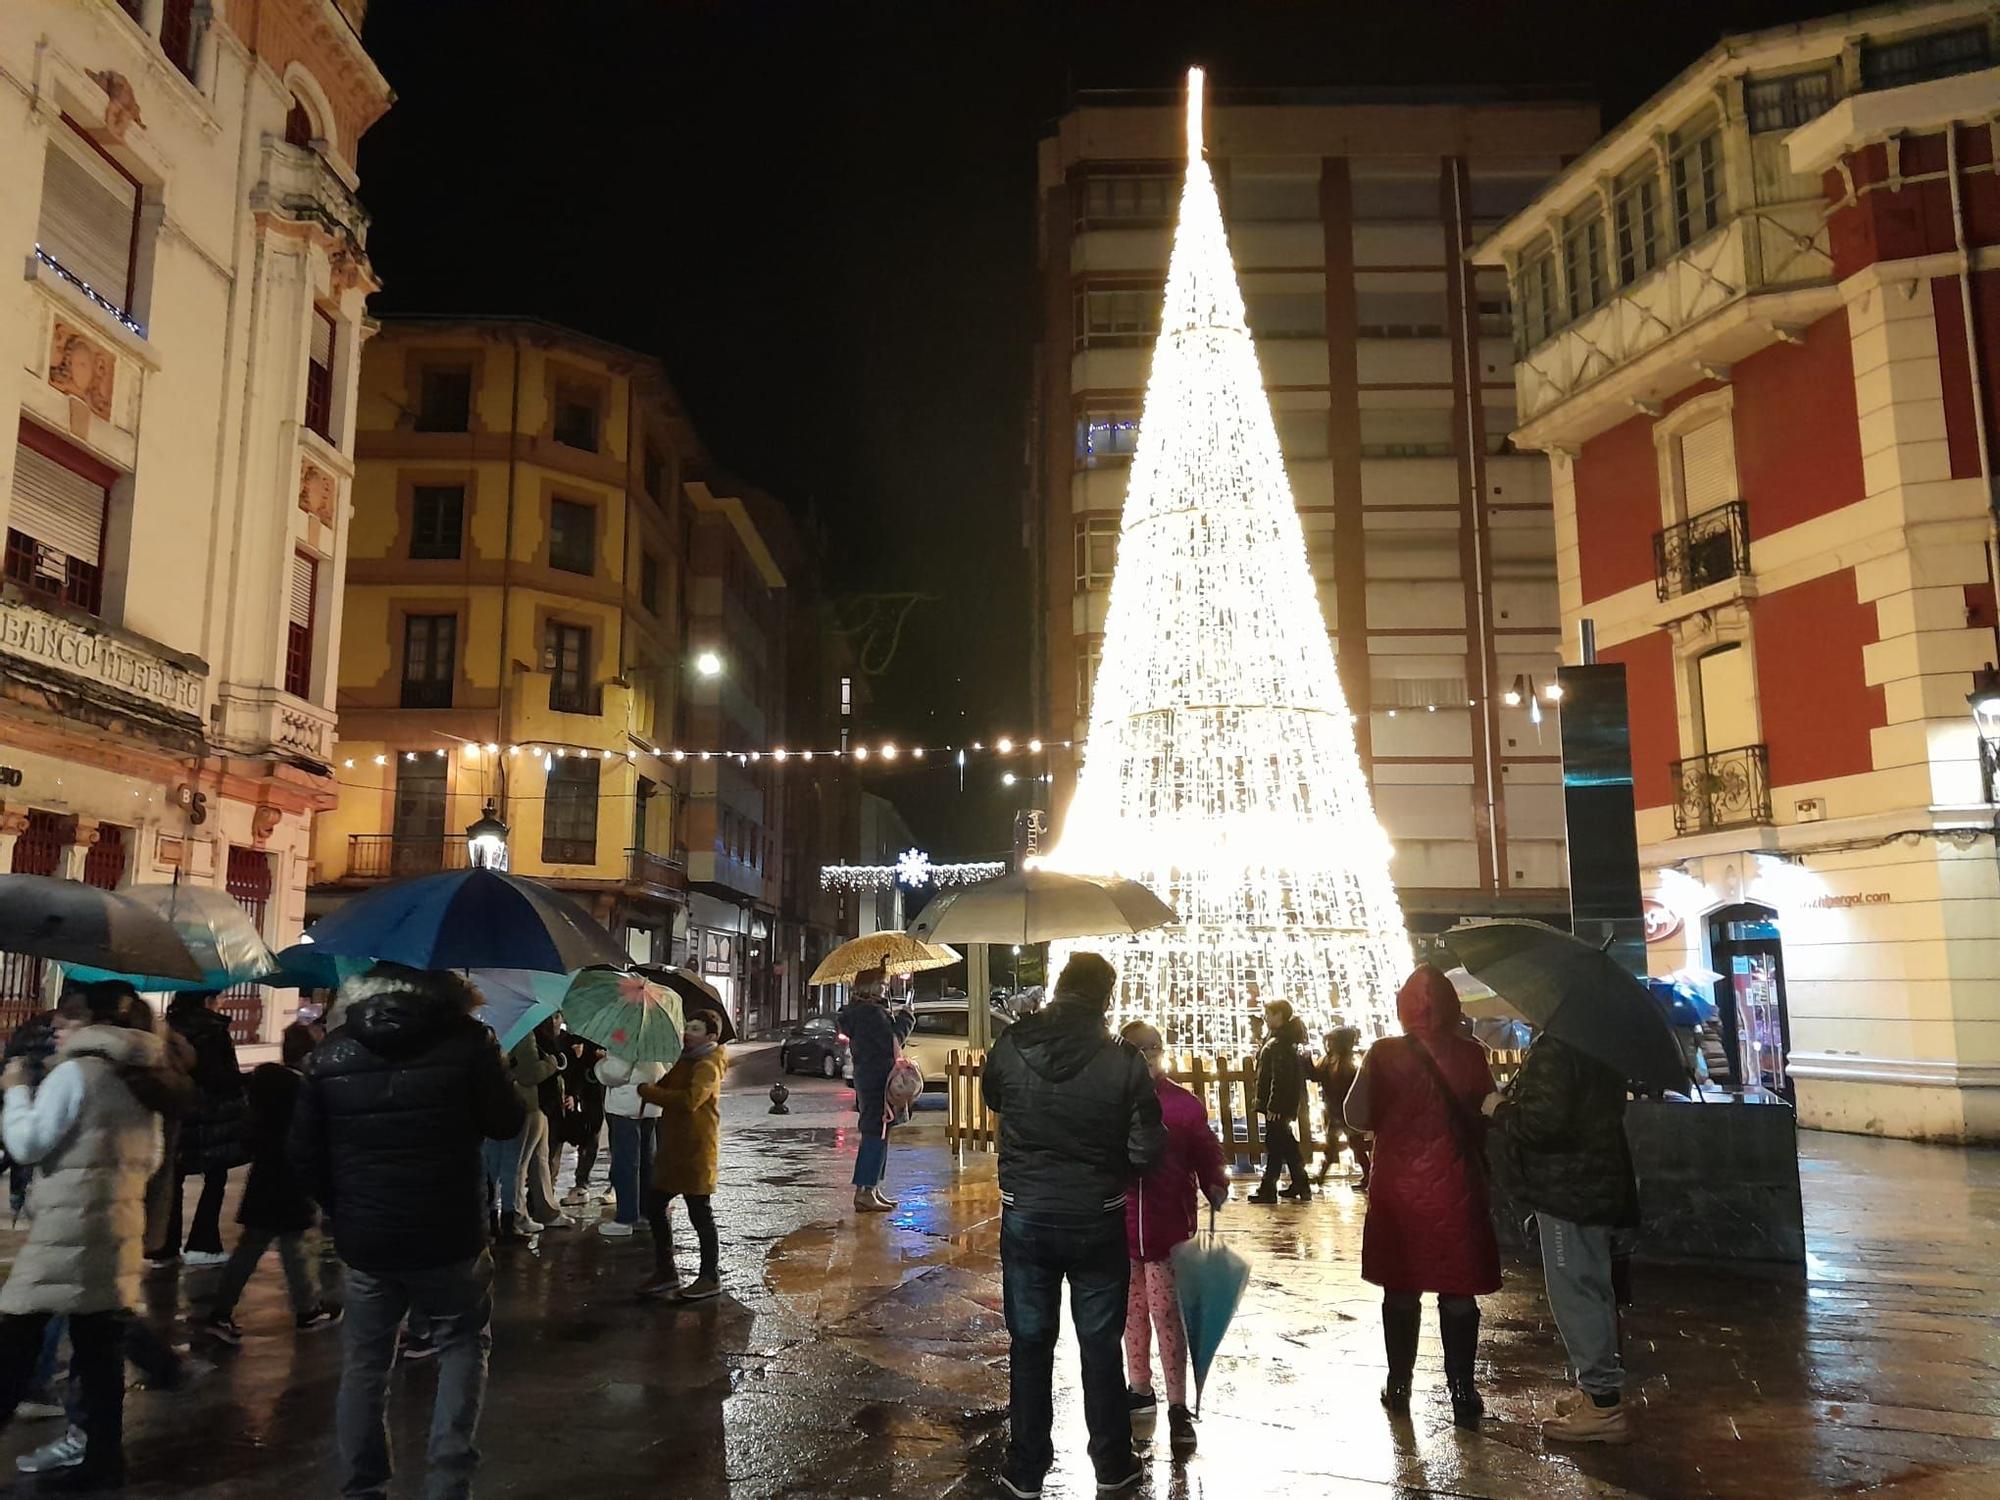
<point x="1984" y="700"/>
<point x="486" y="840"/>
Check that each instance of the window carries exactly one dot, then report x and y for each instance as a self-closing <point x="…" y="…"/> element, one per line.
<point x="1539" y="318"/>
<point x="298" y="124"/>
<point x="55" y="531"/>
<point x="1697" y="182"/>
<point x="179" y="38"/>
<point x="89" y="228"/>
<point x="1891" y="64"/>
<point x="1127" y="199"/>
<point x="572" y="536"/>
<point x="1254" y="197"/>
<point x="569" y="816"/>
<point x="1583" y="262"/>
<point x="649" y="583"/>
<point x="1635" y="218"/>
<point x="575" y="423"/>
<point x="430" y="660"/>
<point x="1406" y="432"/>
<point x="1106" y="438"/>
<point x="942" y="1023"/>
<point x="1707" y="467"/>
<point x="319" y="376"/>
<point x="1728" y="699"/>
<point x="299" y="627"/>
<point x="420" y="798"/>
<point x="846" y="697"/>
<point x="444" y="399"/>
<point x="1118" y="317"/>
<point x="653" y="473"/>
<point x="566" y="658"/>
<point x="437" y="519"/>
<point x="1096" y="550"/>
<point x="1416" y="312"/>
<point x="1788" y="102"/>
<point x="1086" y="675"/>
<point x="1286" y="315"/>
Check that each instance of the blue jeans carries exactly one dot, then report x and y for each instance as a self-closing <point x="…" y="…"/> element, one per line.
<point x="503" y="1177"/>
<point x="631" y="1166"/>
<point x="871" y="1158"/>
<point x="1035" y="1258"/>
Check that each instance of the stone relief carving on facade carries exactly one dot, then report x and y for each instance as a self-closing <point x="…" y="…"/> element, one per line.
<point x="316" y="492"/>
<point x="82" y="368"/>
<point x="121" y="106"/>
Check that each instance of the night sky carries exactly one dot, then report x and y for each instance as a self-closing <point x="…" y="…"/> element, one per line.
<point x="820" y="216"/>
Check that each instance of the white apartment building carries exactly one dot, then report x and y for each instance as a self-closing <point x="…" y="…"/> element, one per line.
<point x="177" y="187"/>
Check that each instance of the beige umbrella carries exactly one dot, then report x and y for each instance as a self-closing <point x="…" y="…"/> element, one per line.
<point x="892" y="952"/>
<point x="1040" y="905"/>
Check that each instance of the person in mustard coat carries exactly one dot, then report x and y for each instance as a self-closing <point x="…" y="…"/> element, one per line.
<point x="690" y="1130"/>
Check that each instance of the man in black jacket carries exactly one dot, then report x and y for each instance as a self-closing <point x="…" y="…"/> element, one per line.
<point x="1281" y="1099"/>
<point x="1563" y="1123"/>
<point x="1079" y="1119"/>
<point x="390" y="1122"/>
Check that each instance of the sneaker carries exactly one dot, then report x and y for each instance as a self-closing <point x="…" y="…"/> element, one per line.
<point x="527" y="1226"/>
<point x="205" y="1258"/>
<point x="1123" y="1479"/>
<point x="1180" y="1430"/>
<point x="611" y="1229"/>
<point x="560" y="1221"/>
<point x="1021" y="1483"/>
<point x="668" y="1284"/>
<point x="1589" y="1423"/>
<point x="1145" y="1411"/>
<point x="320" y="1317"/>
<point x="575" y="1198"/>
<point x="222" y="1330"/>
<point x="415" y="1351"/>
<point x="701" y="1289"/>
<point x="162" y="1260"/>
<point x="39" y="1406"/>
<point x="66" y="1452"/>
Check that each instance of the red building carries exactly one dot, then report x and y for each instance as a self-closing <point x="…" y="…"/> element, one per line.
<point x="1756" y="330"/>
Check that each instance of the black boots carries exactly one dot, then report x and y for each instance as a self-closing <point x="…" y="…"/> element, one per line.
<point x="1399" y="1342"/>
<point x="1458" y="1325"/>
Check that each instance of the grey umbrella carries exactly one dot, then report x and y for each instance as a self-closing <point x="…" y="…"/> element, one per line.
<point x="1038" y="906"/>
<point x="1574" y="992"/>
<point x="79" y="924"/>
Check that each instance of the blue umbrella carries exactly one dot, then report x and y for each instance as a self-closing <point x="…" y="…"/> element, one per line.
<point x="306" y="966"/>
<point x="468" y="919"/>
<point x="1210" y="1278"/>
<point x="517" y="1001"/>
<point x="1682" y="1005"/>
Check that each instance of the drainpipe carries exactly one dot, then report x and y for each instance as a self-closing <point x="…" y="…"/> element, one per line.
<point x="1972" y="360"/>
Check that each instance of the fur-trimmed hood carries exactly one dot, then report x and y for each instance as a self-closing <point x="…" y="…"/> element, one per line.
<point x="115" y="1044"/>
<point x="394" y="1011"/>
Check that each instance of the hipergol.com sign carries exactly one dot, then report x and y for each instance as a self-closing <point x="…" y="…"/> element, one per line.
<point x="45" y="639"/>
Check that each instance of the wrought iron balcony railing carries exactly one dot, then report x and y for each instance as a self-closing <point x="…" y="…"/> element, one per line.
<point x="1726" y="789"/>
<point x="388" y="856"/>
<point x="1701" y="550"/>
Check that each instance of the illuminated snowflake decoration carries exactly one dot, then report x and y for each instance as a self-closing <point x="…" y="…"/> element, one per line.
<point x="913" y="868"/>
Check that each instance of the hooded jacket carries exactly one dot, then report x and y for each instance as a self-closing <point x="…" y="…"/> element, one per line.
<point x="690" y="1130"/>
<point x="1079" y="1118"/>
<point x="1281" y="1071"/>
<point x="93" y="1145"/>
<point x="1163" y="1209"/>
<point x="874" y="1033"/>
<point x="1562" y="1128"/>
<point x="395" y="1108"/>
<point x="1429" y="1228"/>
<point x="622" y="1080"/>
<point x="215" y="1136"/>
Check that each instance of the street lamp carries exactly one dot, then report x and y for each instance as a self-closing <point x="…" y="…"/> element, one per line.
<point x="708" y="664"/>
<point x="1984" y="700"/>
<point x="486" y="840"/>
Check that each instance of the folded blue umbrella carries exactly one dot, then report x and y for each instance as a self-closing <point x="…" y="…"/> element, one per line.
<point x="1210" y="1278"/>
<point x="468" y="919"/>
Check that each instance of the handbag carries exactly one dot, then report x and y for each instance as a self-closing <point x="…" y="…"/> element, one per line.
<point x="1466" y="1133"/>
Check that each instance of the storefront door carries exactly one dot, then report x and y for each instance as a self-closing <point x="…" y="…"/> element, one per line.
<point x="1745" y="947"/>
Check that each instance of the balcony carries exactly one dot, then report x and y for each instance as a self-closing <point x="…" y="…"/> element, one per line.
<point x="655" y="872"/>
<point x="389" y="856"/>
<point x="1704" y="549"/>
<point x="1727" y="789"/>
<point x="574" y="697"/>
<point x="302" y="186"/>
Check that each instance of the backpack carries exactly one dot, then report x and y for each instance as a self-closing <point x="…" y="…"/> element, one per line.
<point x="905" y="1083"/>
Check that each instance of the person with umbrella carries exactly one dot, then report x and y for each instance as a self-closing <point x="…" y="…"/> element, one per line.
<point x="690" y="1135"/>
<point x="1563" y="1128"/>
<point x="875" y="1038"/>
<point x="1429" y="1227"/>
<point x="1079" y="1119"/>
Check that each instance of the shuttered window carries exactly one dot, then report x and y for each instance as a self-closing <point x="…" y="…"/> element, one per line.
<point x="55" y="530"/>
<point x="319" y="376"/>
<point x="1708" y="467"/>
<point x="90" y="215"/>
<point x="299" y="631"/>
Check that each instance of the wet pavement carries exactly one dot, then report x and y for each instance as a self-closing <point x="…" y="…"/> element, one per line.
<point x="867" y="1358"/>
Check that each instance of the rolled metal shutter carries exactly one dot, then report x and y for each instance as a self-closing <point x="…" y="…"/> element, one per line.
<point x="322" y="340"/>
<point x="88" y="214"/>
<point x="56" y="506"/>
<point x="1708" y="466"/>
<point x="303" y="571"/>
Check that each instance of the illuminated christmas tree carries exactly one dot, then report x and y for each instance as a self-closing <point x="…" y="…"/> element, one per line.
<point x="1221" y="769"/>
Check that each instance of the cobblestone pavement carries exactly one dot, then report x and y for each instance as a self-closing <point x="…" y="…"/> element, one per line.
<point x="867" y="1358"/>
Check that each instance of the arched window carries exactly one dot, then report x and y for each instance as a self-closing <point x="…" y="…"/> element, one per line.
<point x="299" y="125"/>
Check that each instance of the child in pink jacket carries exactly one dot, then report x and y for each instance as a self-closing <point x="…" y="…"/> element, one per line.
<point x="1160" y="1213"/>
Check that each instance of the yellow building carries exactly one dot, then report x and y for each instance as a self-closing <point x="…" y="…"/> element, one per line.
<point x="515" y="622"/>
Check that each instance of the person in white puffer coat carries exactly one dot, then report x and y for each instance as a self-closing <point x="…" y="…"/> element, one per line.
<point x="93" y="1144"/>
<point x="632" y="1123"/>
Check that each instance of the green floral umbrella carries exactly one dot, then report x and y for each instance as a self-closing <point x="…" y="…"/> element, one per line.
<point x="627" y="1015"/>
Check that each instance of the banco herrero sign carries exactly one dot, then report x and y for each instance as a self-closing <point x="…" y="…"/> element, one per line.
<point x="97" y="657"/>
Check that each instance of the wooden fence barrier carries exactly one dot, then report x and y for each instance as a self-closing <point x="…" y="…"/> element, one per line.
<point x="1227" y="1090"/>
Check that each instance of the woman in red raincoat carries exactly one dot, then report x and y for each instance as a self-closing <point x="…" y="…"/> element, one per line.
<point x="1429" y="1228"/>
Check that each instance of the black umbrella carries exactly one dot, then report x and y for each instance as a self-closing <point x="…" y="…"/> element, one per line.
<point x="1573" y="992"/>
<point x="79" y="924"/>
<point x="696" y="993"/>
<point x="468" y="919"/>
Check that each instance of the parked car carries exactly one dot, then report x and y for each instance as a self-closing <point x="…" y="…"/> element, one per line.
<point x="942" y="1028"/>
<point x="815" y="1045"/>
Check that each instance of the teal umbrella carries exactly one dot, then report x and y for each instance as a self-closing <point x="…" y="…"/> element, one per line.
<point x="307" y="966"/>
<point x="517" y="1000"/>
<point x="1210" y="1278"/>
